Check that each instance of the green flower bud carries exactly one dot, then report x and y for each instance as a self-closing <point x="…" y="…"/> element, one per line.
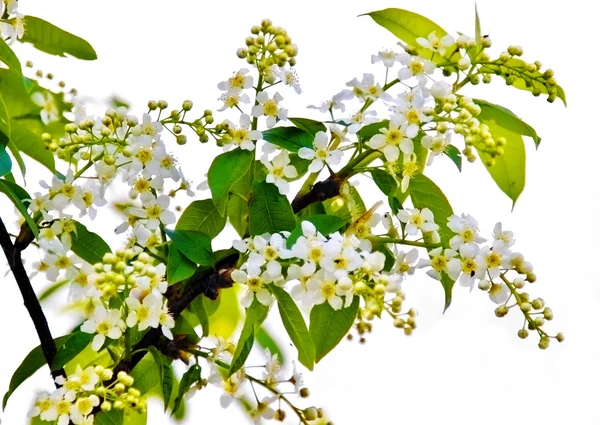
<point x="181" y="139"/>
<point x="162" y="104"/>
<point x="523" y="333"/>
<point x="187" y="105"/>
<point x="152" y="105"/>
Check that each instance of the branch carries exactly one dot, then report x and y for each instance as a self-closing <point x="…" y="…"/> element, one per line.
<point x="321" y="191"/>
<point x="13" y="255"/>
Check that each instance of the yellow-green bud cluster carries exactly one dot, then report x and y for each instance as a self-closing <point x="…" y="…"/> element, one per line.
<point x="267" y="46"/>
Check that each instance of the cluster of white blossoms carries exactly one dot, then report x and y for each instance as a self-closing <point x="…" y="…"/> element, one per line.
<point x="78" y="394"/>
<point x="13" y="27"/>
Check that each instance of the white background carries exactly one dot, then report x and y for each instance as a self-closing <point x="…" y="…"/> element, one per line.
<point x="466" y="366"/>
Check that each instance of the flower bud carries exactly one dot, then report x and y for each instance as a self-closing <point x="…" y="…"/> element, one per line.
<point x="560" y="337"/>
<point x="106" y="406"/>
<point x="544" y="343"/>
<point x="152" y="105"/>
<point x="523" y="333"/>
<point x="162" y="104"/>
<point x="310" y="413"/>
<point x="304" y="392"/>
<point x="181" y="139"/>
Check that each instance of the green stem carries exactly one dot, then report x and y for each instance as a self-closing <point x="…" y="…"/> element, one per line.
<point x="403" y="242"/>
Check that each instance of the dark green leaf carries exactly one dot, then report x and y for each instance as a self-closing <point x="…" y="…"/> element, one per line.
<point x="31" y="145"/>
<point x="5" y="162"/>
<point x="454" y="154"/>
<point x="447" y="284"/>
<point x="31" y="363"/>
<point x="255" y="316"/>
<point x="426" y="194"/>
<point x="506" y="119"/>
<point x="409" y="26"/>
<point x="308" y="125"/>
<point x="88" y="245"/>
<point x="194" y="245"/>
<point x="225" y="170"/>
<point x="166" y="375"/>
<point x="202" y="216"/>
<point x="20" y="199"/>
<point x="270" y="212"/>
<point x="72" y="347"/>
<point x="9" y="58"/>
<point x="266" y="341"/>
<point x="295" y="326"/>
<point x="189" y="378"/>
<point x="509" y="169"/>
<point x="179" y="267"/>
<point x="329" y="326"/>
<point x="50" y="39"/>
<point x="325" y="224"/>
<point x="371" y="130"/>
<point x="384" y="181"/>
<point x="289" y="138"/>
<point x="237" y="206"/>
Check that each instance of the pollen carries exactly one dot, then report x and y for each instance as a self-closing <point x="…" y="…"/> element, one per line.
<point x="328" y="289"/>
<point x="167" y="162"/>
<point x="237" y="81"/>
<point x="393" y="137"/>
<point x="439" y="263"/>
<point x="254" y="283"/>
<point x="144" y="155"/>
<point x="154" y="211"/>
<point x="416" y="67"/>
<point x="270" y="108"/>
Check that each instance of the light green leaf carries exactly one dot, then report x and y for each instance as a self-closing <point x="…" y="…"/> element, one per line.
<point x="225" y="170"/>
<point x="509" y="169"/>
<point x="31" y="363"/>
<point x="199" y="309"/>
<point x="146" y="374"/>
<point x="329" y="326"/>
<point x="50" y="39"/>
<point x="294" y="324"/>
<point x="255" y="316"/>
<point x="426" y="194"/>
<point x="289" y="138"/>
<point x="202" y="216"/>
<point x="179" y="267"/>
<point x="194" y="245"/>
<point x="478" y="43"/>
<point x="372" y="129"/>
<point x="506" y="119"/>
<point x="52" y="289"/>
<point x="301" y="166"/>
<point x="270" y="212"/>
<point x="71" y="348"/>
<point x="9" y="58"/>
<point x="20" y="199"/>
<point x="308" y="125"/>
<point x="454" y="154"/>
<point x="31" y="145"/>
<point x="409" y="26"/>
<point x="88" y="245"/>
<point x="266" y="341"/>
<point x="237" y="206"/>
<point x="325" y="224"/>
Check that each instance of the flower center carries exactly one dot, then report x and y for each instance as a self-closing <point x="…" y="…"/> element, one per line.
<point x="237" y="81"/>
<point x="439" y="263"/>
<point x="153" y="211"/>
<point x="416" y="67"/>
<point x="144" y="155"/>
<point x="254" y="283"/>
<point x="393" y="137"/>
<point x="328" y="289"/>
<point x="270" y="108"/>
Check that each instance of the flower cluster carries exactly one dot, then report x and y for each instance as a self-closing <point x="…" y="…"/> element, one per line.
<point x="13" y="27"/>
<point x="78" y="394"/>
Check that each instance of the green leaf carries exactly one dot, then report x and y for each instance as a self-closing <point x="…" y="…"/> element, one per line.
<point x="372" y="129"/>
<point x="478" y="43"/>
<point x="9" y="58"/>
<point x="294" y="324"/>
<point x="329" y="326"/>
<point x="194" y="245"/>
<point x="426" y="194"/>
<point x="384" y="181"/>
<point x="146" y="374"/>
<point x="30" y="364"/>
<point x="189" y="378"/>
<point x="50" y="39"/>
<point x="114" y="417"/>
<point x="447" y="284"/>
<point x="266" y="341"/>
<point x="289" y="138"/>
<point x="301" y="166"/>
<point x="509" y="169"/>
<point x="308" y="125"/>
<point x="17" y="154"/>
<point x="165" y="373"/>
<point x="270" y="212"/>
<point x="225" y="170"/>
<point x="506" y="119"/>
<point x="202" y="216"/>
<point x="255" y="316"/>
<point x="52" y="289"/>
<point x="199" y="309"/>
<point x="454" y="154"/>
<point x="88" y="245"/>
<point x="31" y="145"/>
<point x="409" y="26"/>
<point x="20" y="198"/>
<point x="72" y="347"/>
<point x="325" y="224"/>
<point x="238" y="208"/>
<point x="524" y="79"/>
<point x="178" y="266"/>
<point x="5" y="161"/>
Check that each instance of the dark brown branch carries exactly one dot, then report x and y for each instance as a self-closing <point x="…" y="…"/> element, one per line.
<point x="321" y="191"/>
<point x="13" y="255"/>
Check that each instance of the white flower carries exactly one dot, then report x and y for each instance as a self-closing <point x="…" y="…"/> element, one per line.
<point x="359" y="119"/>
<point x="471" y="267"/>
<point x="242" y="136"/>
<point x="45" y="100"/>
<point x="502" y="239"/>
<point x="148" y="127"/>
<point x="417" y="219"/>
<point x="494" y="259"/>
<point x="82" y="408"/>
<point x="300" y="276"/>
<point x="62" y="190"/>
<point x="104" y="323"/>
<point x="162" y="165"/>
<point x="499" y="293"/>
<point x="87" y="197"/>
<point x="144" y="314"/>
<point x="231" y="100"/>
<point x="387" y="56"/>
<point x="240" y="81"/>
<point x="166" y="320"/>
<point x="464" y="63"/>
<point x="367" y="89"/>
<point x="272" y="372"/>
<point x="42" y="407"/>
<point x="340" y="260"/>
<point x="436" y="144"/>
<point x="323" y="285"/>
<point x="467" y="230"/>
<point x="156" y="211"/>
<point x="336" y="102"/>
<point x="320" y="154"/>
<point x="415" y="67"/>
<point x="269" y="107"/>
<point x="263" y="410"/>
<point x="405" y="262"/>
<point x="394" y="139"/>
<point x="255" y="284"/>
<point x="289" y="77"/>
<point x="436" y="44"/>
<point x="309" y="246"/>
<point x="440" y="89"/>
<point x="233" y="387"/>
<point x="14" y="30"/>
<point x="279" y="169"/>
<point x="441" y="260"/>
